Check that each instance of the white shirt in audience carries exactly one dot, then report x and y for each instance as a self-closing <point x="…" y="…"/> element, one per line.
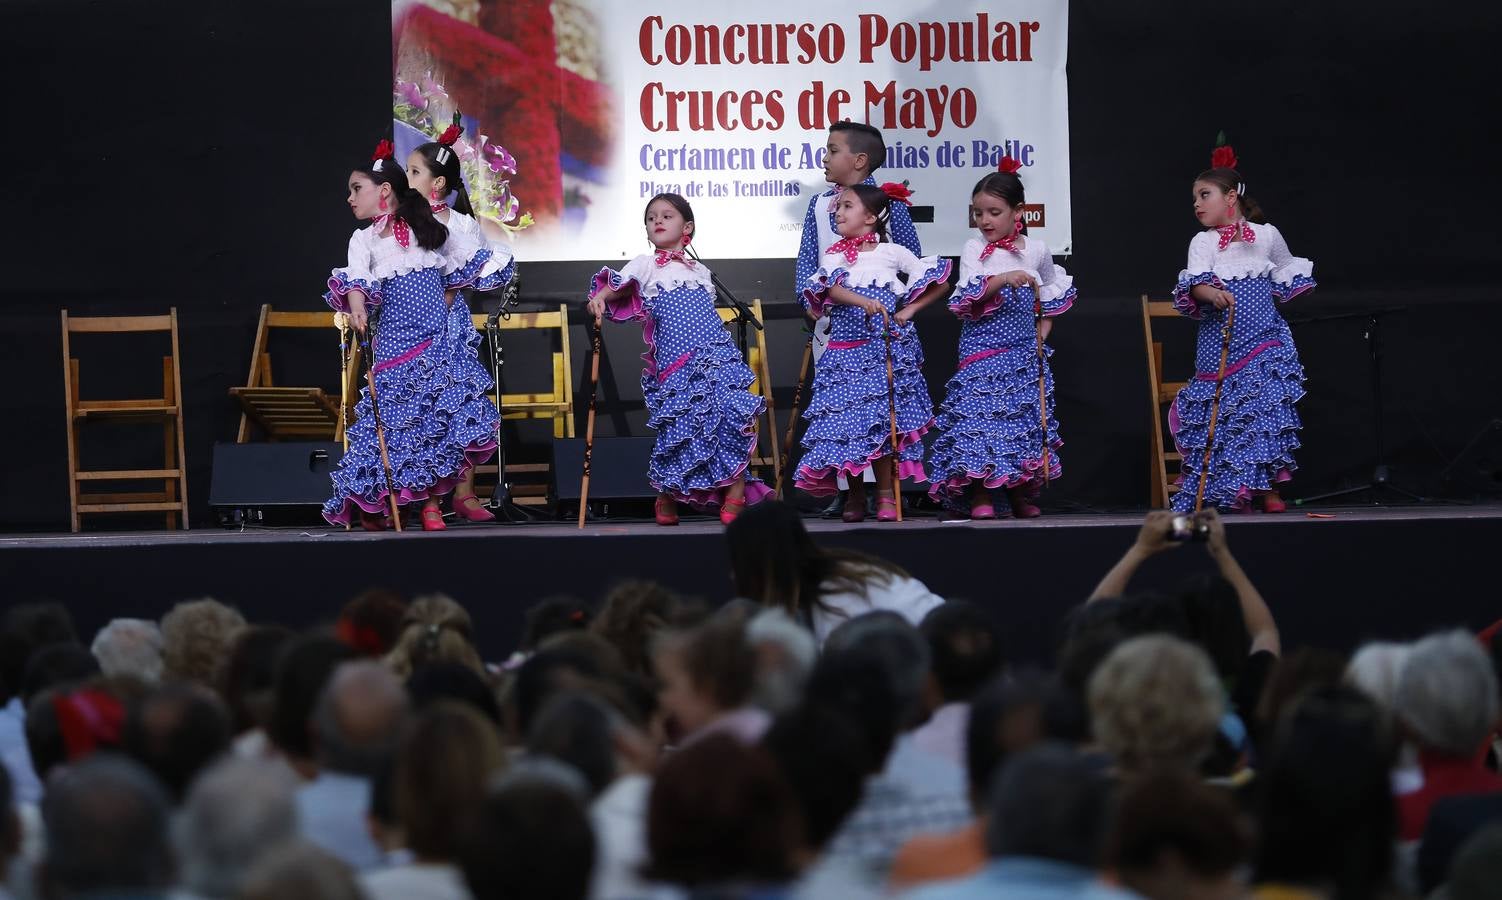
<point x="417" y="881"/>
<point x="908" y="597"/>
<point x="619" y="818"/>
<point x="943" y="735"/>
<point x="331" y="811"/>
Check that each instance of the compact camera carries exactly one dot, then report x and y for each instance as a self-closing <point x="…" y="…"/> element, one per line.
<point x="1188" y="528"/>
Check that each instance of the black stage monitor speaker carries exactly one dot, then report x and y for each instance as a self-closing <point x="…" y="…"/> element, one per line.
<point x="291" y="479"/>
<point x="618" y="468"/>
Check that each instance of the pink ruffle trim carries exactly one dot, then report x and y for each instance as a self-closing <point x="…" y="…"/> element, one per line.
<point x="823" y="482"/>
<point x="474" y="455"/>
<point x="1031" y="474"/>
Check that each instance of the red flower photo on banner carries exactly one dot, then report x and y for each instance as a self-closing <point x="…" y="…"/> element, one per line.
<point x="900" y="192"/>
<point x="1223" y="158"/>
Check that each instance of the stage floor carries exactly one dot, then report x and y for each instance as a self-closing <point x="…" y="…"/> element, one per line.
<point x="1334" y="576"/>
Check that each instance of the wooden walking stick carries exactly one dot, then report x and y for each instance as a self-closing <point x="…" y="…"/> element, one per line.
<point x="1042" y="395"/>
<point x="787" y="438"/>
<point x="589" y="427"/>
<point x="1220" y="378"/>
<point x="892" y="403"/>
<point x="375" y="413"/>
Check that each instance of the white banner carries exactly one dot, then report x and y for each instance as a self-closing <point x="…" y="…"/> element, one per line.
<point x="729" y="104"/>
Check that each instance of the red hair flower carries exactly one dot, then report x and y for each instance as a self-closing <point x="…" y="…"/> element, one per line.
<point x="1223" y="157"/>
<point x="451" y="133"/>
<point x="900" y="192"/>
<point x="1009" y="165"/>
<point x="383" y="150"/>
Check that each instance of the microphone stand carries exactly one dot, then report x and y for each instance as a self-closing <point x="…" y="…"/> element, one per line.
<point x="743" y="313"/>
<point x="506" y="510"/>
<point x="1381" y="476"/>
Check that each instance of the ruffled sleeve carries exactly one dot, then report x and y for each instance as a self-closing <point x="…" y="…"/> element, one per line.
<point x="472" y="261"/>
<point x="971" y="285"/>
<point x="356" y="276"/>
<point x="815" y="292"/>
<point x="1055" y="286"/>
<point x="631" y="278"/>
<point x="1291" y="275"/>
<point x="922" y="274"/>
<point x="1200" y="270"/>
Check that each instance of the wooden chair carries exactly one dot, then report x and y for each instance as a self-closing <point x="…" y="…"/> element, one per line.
<point x="172" y="499"/>
<point x="1165" y="463"/>
<point x="291" y="413"/>
<point x="756" y="355"/>
<point x="555" y="405"/>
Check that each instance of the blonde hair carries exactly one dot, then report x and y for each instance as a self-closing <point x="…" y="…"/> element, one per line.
<point x="196" y="639"/>
<point x="435" y="629"/>
<point x="1155" y="702"/>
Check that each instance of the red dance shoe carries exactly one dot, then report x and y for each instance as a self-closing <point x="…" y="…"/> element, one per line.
<point x="432" y="519"/>
<point x="1273" y="503"/>
<point x="468" y="508"/>
<point x="730" y="509"/>
<point x="855" y="510"/>
<point x="373" y="522"/>
<point x="886" y="509"/>
<point x="666" y="511"/>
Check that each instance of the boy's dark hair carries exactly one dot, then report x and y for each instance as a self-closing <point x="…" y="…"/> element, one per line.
<point x="863" y="138"/>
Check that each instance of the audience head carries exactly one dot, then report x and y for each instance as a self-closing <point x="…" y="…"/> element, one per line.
<point x="25" y="629"/>
<point x="824" y="757"/>
<point x="434" y="629"/>
<point x="1298" y="672"/>
<point x="1050" y="803"/>
<point x="1156" y="701"/>
<point x="302" y="670"/>
<point x="130" y="648"/>
<point x="1326" y="812"/>
<point x="1476" y="869"/>
<point x="634" y="614"/>
<point x="359" y="718"/>
<point x="446" y="759"/>
<point x="583" y="731"/>
<point x="719" y="813"/>
<point x="1374" y="668"/>
<point x="57" y="666"/>
<point x="248" y="679"/>
<point x="551" y="616"/>
<point x="1175" y="836"/>
<point x="1216" y="625"/>
<point x="903" y="653"/>
<point x="453" y="681"/>
<point x="238" y="811"/>
<point x="704" y="672"/>
<point x="176" y="731"/>
<point x="964" y="642"/>
<point x="785" y="654"/>
<point x="196" y="638"/>
<point x="545" y="673"/>
<point x="65" y="725"/>
<point x="371" y="622"/>
<point x="106" y="822"/>
<point x="1446" y="695"/>
<point x="855" y="684"/>
<point x="300" y="871"/>
<point x="532" y="840"/>
<point x="1006" y="717"/>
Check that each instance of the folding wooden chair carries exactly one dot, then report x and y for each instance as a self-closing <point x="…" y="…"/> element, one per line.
<point x="756" y="354"/>
<point x="289" y="413"/>
<point x="1165" y="462"/>
<point x="172" y="499"/>
<point x="555" y="405"/>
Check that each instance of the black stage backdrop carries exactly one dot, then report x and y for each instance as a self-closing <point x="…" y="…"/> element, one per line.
<point x="194" y="154"/>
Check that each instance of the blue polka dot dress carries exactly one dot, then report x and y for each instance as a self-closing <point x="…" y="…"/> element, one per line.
<point x="1257" y="429"/>
<point x="849" y="412"/>
<point x="990" y="428"/>
<point x="431" y="388"/>
<point x="696" y="385"/>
